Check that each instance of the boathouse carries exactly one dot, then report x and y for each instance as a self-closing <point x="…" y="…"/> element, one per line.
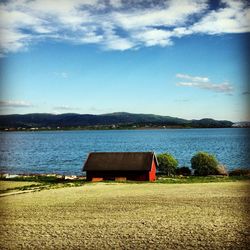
<point x="137" y="166"/>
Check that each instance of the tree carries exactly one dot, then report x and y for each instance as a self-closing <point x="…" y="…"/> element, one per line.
<point x="167" y="163"/>
<point x="204" y="164"/>
<point x="186" y="171"/>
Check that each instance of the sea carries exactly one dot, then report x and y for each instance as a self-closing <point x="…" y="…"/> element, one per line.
<point x="64" y="152"/>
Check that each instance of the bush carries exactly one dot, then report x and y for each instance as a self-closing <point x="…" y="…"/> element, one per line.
<point x="204" y="164"/>
<point x="240" y="172"/>
<point x="167" y="163"/>
<point x="186" y="171"/>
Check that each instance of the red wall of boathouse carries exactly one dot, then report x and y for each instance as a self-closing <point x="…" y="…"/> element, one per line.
<point x="152" y="172"/>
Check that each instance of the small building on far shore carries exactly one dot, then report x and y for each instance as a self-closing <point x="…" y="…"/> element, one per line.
<point x="136" y="166"/>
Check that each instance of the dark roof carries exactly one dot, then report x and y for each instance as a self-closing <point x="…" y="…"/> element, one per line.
<point x="120" y="161"/>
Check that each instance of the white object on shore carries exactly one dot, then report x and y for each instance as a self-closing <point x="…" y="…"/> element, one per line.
<point x="9" y="176"/>
<point x="72" y="177"/>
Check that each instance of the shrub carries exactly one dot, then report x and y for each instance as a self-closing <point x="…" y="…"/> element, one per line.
<point x="186" y="171"/>
<point x="167" y="163"/>
<point x="240" y="172"/>
<point x="204" y="164"/>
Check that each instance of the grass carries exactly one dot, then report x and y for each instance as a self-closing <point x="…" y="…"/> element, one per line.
<point x="129" y="216"/>
<point x="38" y="183"/>
<point x="10" y="185"/>
<point x="35" y="183"/>
<point x="200" y="179"/>
<point x="160" y="179"/>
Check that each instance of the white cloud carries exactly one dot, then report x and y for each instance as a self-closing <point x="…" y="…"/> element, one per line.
<point x="192" y="78"/>
<point x="115" y="42"/>
<point x="234" y="18"/>
<point x="15" y="104"/>
<point x="115" y="24"/>
<point x="12" y="41"/>
<point x="173" y="13"/>
<point x="91" y="37"/>
<point x="204" y="83"/>
<point x="152" y="37"/>
<point x="222" y="87"/>
<point x="181" y="31"/>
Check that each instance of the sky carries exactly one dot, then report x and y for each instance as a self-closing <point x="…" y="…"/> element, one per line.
<point x="181" y="58"/>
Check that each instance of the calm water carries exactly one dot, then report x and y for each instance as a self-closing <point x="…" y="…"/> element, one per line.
<point x="65" y="151"/>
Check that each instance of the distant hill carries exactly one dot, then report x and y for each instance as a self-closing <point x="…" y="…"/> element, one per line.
<point x="245" y="124"/>
<point x="119" y="119"/>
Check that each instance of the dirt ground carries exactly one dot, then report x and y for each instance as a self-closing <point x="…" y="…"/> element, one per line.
<point x="129" y="216"/>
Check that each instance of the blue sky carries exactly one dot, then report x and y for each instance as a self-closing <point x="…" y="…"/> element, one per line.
<point x="179" y="58"/>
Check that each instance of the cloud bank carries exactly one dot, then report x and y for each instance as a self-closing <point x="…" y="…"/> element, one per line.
<point x="116" y="24"/>
<point x="15" y="104"/>
<point x="203" y="83"/>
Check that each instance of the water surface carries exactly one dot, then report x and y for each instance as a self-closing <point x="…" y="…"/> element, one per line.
<point x="65" y="151"/>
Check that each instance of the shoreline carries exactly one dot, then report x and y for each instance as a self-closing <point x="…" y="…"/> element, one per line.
<point x="114" y="129"/>
<point x="59" y="178"/>
<point x="10" y="176"/>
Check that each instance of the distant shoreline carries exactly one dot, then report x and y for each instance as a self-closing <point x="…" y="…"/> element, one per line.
<point x="110" y="129"/>
<point x="117" y="120"/>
